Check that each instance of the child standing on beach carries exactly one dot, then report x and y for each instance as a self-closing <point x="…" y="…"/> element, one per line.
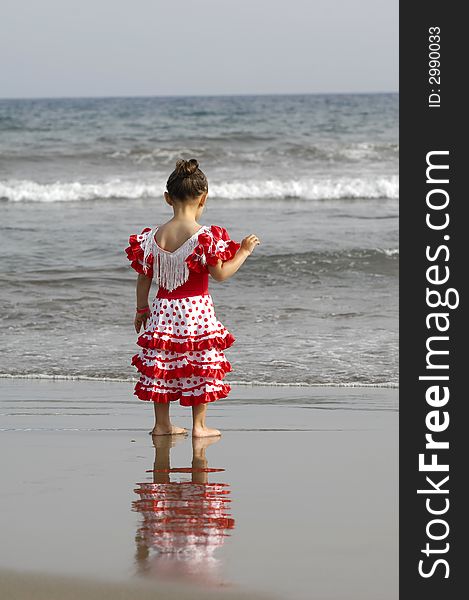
<point x="182" y="343"/>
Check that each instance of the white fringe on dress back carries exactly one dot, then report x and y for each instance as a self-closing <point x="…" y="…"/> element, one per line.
<point x="170" y="269"/>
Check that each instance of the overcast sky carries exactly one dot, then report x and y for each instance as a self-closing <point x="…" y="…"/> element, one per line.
<point x="170" y="47"/>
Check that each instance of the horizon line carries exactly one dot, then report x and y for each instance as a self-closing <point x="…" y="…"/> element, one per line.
<point x="117" y="96"/>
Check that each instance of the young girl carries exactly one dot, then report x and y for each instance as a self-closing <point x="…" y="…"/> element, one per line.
<point x="181" y="356"/>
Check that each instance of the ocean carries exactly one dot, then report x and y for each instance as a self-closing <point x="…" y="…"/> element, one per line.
<point x="314" y="176"/>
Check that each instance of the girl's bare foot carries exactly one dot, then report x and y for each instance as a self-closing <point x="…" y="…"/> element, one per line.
<point x="167" y="430"/>
<point x="202" y="432"/>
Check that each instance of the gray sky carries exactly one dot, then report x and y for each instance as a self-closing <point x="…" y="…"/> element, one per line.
<point x="171" y="47"/>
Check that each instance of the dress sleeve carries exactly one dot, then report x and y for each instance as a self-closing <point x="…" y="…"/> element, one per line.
<point x="136" y="253"/>
<point x="214" y="244"/>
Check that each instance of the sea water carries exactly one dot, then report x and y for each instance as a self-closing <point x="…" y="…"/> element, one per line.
<point x="314" y="176"/>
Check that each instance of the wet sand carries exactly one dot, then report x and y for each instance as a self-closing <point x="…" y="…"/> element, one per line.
<point x="17" y="585"/>
<point x="297" y="500"/>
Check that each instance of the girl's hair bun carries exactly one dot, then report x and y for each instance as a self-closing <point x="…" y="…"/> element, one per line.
<point x="187" y="180"/>
<point x="185" y="168"/>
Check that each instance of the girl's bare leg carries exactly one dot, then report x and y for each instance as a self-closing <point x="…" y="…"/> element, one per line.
<point x="199" y="429"/>
<point x="163" y="425"/>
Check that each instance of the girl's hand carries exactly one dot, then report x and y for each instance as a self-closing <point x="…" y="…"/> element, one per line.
<point x="249" y="243"/>
<point x="141" y="319"/>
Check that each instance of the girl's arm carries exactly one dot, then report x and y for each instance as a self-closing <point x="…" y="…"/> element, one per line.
<point x="142" y="291"/>
<point x="225" y="270"/>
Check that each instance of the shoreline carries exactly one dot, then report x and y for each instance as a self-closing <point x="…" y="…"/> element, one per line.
<point x="352" y="384"/>
<point x="24" y="398"/>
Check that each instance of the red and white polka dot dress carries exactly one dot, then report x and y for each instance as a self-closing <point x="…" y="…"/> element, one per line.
<point x="181" y="356"/>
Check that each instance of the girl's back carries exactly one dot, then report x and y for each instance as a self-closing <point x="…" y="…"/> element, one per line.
<point x="173" y="234"/>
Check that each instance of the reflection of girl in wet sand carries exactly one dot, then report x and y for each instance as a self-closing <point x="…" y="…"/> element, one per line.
<point x="183" y="521"/>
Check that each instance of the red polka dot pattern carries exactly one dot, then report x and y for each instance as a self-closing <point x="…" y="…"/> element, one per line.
<point x="185" y="362"/>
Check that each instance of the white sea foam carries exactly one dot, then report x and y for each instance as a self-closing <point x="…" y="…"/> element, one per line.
<point x="20" y="190"/>
<point x="307" y="188"/>
<point x="357" y="384"/>
<point x="310" y="188"/>
<point x="389" y="251"/>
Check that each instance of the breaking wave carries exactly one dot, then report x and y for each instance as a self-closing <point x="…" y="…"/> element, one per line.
<point x="309" y="188"/>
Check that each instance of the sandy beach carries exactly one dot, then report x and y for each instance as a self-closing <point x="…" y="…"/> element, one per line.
<point x="17" y="585"/>
<point x="302" y="482"/>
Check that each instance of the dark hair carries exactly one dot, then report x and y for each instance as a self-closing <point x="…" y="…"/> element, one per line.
<point x="187" y="180"/>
